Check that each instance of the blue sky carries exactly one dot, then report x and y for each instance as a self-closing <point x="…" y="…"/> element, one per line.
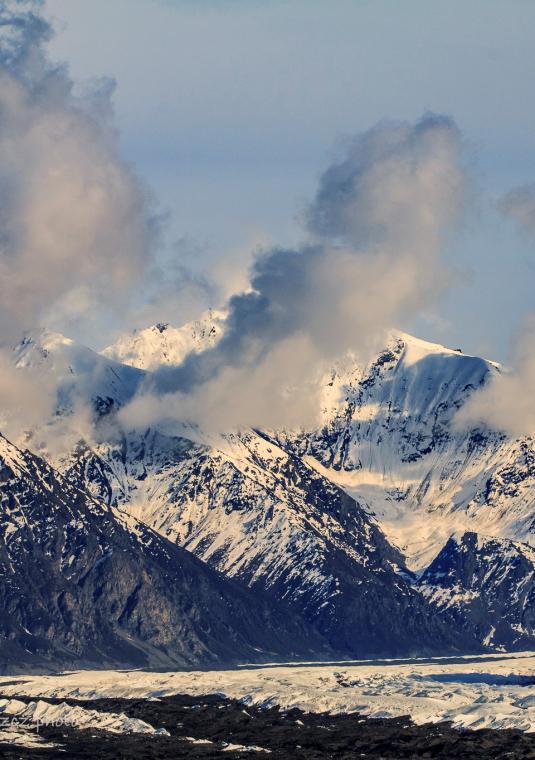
<point x="232" y="109"/>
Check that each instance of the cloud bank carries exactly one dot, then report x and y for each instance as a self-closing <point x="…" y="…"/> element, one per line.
<point x="371" y="258"/>
<point x="77" y="237"/>
<point x="76" y="230"/>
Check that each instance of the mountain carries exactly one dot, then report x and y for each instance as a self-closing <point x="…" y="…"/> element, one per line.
<point x="269" y="521"/>
<point x="76" y="372"/>
<point x="488" y="584"/>
<point x="338" y="525"/>
<point x="163" y="344"/>
<point x="81" y="584"/>
<point x="389" y="437"/>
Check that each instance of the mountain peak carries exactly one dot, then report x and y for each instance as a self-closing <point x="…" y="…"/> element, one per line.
<point x="43" y="340"/>
<point x="418" y="348"/>
<point x="72" y="368"/>
<point x="162" y="343"/>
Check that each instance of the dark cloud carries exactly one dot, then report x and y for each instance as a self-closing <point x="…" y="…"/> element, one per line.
<point x="382" y="159"/>
<point x="375" y="231"/>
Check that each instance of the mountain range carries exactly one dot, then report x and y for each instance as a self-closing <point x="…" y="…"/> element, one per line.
<point x="387" y="530"/>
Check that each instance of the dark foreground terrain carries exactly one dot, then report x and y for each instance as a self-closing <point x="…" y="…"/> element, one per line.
<point x="287" y="736"/>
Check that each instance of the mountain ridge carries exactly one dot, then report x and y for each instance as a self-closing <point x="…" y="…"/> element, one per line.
<point x="334" y="520"/>
<point x="82" y="583"/>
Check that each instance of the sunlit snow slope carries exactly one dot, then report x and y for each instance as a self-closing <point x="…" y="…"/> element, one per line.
<point x="390" y="437"/>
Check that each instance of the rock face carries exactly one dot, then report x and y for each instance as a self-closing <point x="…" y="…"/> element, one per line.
<point x="488" y="584"/>
<point x="83" y="584"/>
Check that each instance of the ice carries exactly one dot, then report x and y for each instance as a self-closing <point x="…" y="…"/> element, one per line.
<point x="487" y="691"/>
<point x="43" y="713"/>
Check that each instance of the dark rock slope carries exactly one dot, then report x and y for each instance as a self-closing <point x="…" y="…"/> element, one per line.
<point x="488" y="585"/>
<point x="80" y="584"/>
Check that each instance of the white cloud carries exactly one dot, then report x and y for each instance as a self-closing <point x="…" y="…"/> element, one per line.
<point x="507" y="403"/>
<point x="519" y="205"/>
<point x="76" y="233"/>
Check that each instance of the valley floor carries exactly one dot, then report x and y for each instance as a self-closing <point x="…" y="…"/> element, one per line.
<point x="463" y="707"/>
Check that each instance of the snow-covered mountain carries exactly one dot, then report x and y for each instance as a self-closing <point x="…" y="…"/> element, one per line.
<point x="163" y="344"/>
<point x="265" y="518"/>
<point x="332" y="521"/>
<point x="77" y="372"/>
<point x="81" y="583"/>
<point x="390" y="436"/>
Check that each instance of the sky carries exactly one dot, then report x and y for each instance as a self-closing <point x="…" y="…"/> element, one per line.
<point x="232" y="110"/>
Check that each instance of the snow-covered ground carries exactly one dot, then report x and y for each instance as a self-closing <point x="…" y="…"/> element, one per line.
<point x="489" y="691"/>
<point x="17" y="716"/>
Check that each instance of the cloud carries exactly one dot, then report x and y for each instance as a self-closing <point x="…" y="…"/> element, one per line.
<point x="371" y="259"/>
<point x="76" y="239"/>
<point x="282" y="390"/>
<point x="519" y="205"/>
<point x="507" y="403"/>
<point x="397" y="183"/>
<point x="24" y="402"/>
<point x="76" y="232"/>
